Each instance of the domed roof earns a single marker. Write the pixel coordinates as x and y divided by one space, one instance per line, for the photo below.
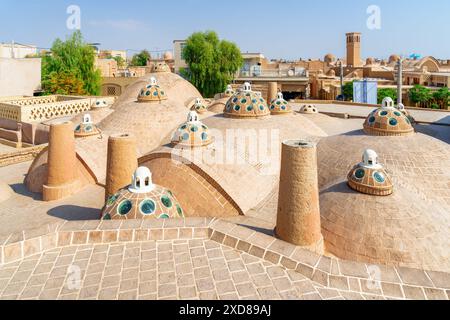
329 58
369 176
168 55
199 106
370 61
394 58
86 128
99 104
409 227
142 200
152 92
246 104
160 67
192 133
388 121
229 91
280 106
331 73
309 109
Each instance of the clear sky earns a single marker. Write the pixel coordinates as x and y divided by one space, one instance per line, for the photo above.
279 29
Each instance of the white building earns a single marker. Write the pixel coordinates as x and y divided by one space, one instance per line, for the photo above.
16 50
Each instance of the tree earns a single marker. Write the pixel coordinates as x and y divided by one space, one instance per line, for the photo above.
386 92
70 68
441 97
420 95
140 59
120 61
212 62
348 91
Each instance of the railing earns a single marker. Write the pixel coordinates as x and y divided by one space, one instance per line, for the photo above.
273 73
38 109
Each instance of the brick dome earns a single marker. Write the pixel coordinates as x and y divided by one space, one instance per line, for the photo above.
160 67
86 128
369 176
142 200
199 106
152 92
246 104
309 109
192 133
388 121
280 106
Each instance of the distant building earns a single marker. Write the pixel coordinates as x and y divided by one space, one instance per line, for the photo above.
20 77
107 67
108 54
17 50
179 62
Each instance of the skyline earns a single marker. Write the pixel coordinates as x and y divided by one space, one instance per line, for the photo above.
311 33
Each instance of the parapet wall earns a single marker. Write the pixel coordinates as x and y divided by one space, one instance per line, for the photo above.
376 281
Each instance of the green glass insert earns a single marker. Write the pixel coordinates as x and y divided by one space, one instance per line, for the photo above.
379 177
124 207
180 211
360 173
164 216
393 122
166 201
147 207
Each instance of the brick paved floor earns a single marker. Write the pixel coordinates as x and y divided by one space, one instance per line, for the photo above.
181 269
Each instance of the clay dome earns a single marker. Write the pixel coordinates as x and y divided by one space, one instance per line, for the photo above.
370 61
369 176
192 133
229 91
329 58
199 106
142 200
168 55
160 67
407 228
152 92
394 58
86 128
280 106
331 73
388 121
100 104
246 104
309 109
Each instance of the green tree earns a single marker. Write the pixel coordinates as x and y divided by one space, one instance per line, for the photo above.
386 92
120 61
420 95
212 62
441 97
348 91
74 59
140 59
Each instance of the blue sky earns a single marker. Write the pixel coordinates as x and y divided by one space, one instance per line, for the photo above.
280 29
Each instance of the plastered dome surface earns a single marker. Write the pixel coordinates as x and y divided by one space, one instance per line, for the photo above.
152 122
246 104
410 227
5 192
280 106
230 179
142 200
388 121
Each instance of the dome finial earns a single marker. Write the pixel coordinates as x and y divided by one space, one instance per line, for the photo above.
141 181
387 102
87 118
